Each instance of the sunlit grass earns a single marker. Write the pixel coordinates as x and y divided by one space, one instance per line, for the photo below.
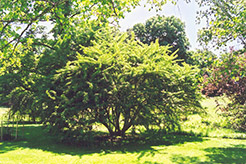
40 148
211 124
212 146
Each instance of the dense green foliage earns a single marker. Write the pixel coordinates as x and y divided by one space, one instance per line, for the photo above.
33 23
119 83
168 30
97 75
226 21
83 72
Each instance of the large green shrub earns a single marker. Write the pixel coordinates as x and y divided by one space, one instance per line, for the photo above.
120 82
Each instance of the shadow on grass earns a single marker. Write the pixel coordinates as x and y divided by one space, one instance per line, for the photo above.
36 138
234 154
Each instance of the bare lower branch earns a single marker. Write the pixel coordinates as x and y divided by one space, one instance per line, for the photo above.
31 21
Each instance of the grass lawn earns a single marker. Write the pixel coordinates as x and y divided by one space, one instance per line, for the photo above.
38 147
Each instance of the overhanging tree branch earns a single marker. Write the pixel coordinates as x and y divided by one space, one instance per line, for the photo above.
31 21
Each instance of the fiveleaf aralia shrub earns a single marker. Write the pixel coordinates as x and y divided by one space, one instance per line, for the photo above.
119 83
228 77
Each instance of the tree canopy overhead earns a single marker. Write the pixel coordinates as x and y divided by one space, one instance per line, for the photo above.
20 17
226 22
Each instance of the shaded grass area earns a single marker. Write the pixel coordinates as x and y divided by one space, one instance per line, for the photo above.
231 154
36 137
38 147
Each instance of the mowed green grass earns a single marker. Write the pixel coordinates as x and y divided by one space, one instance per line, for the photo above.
36 146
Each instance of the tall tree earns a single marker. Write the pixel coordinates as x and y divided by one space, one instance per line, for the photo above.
168 30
